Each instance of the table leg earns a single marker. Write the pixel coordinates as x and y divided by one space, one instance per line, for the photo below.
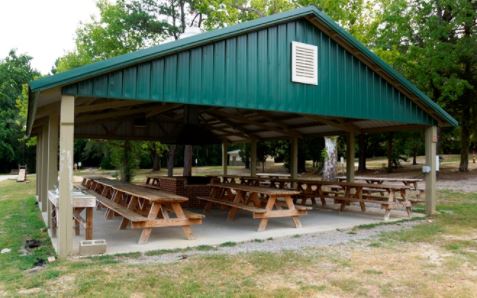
177 208
131 206
239 198
290 206
255 200
76 215
264 221
359 196
322 195
153 212
89 223
406 202
387 212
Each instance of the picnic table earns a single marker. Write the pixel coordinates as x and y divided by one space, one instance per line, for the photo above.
142 208
380 180
81 201
153 180
344 193
273 175
263 202
229 178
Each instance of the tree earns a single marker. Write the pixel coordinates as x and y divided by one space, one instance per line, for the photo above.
15 72
362 148
331 158
155 150
434 43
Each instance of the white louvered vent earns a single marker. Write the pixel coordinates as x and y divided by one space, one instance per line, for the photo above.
304 63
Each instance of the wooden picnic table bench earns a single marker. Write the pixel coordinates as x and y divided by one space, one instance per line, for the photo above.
142 208
273 175
343 193
380 180
80 201
263 202
153 180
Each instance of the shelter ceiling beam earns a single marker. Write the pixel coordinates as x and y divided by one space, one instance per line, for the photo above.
235 126
163 109
345 126
119 113
393 128
243 120
106 105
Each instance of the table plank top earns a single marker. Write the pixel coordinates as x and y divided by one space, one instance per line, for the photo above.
258 189
349 184
153 195
273 175
388 179
78 199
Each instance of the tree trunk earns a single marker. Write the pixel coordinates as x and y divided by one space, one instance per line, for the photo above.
156 162
126 171
329 169
464 142
170 160
414 157
390 151
363 146
187 161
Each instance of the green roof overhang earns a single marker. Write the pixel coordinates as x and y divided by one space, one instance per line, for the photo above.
119 62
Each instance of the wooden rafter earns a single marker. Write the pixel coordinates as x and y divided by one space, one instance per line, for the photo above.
235 126
106 105
243 120
162 109
114 114
336 123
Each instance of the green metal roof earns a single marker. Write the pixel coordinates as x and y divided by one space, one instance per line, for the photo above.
107 66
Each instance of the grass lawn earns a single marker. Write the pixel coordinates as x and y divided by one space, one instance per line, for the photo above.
437 258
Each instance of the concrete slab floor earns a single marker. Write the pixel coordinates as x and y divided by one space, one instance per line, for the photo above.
216 229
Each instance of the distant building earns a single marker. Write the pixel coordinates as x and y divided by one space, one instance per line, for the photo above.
234 158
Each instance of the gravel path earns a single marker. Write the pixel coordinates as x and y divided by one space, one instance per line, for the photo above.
282 244
7 177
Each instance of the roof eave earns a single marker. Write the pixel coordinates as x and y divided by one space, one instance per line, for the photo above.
126 60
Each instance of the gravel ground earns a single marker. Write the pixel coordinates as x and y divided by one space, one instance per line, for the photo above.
282 244
464 184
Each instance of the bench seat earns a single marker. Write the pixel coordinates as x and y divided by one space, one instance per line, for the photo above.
365 201
121 210
234 205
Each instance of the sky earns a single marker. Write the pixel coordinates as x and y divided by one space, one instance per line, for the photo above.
43 29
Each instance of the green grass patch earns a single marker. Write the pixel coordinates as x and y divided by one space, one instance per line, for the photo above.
228 244
456 215
205 248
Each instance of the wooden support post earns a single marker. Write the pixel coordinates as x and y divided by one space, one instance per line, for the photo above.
225 158
430 178
294 158
253 158
52 178
44 169
350 157
38 166
65 216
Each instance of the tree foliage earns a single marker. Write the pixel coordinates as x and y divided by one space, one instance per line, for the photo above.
15 71
434 43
